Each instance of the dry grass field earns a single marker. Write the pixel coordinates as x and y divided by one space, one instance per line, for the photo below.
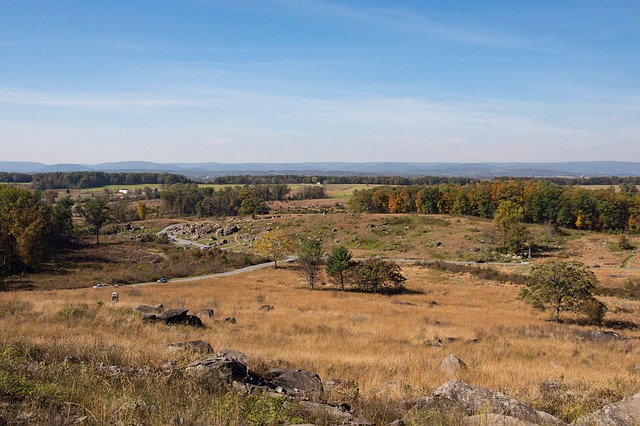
390 346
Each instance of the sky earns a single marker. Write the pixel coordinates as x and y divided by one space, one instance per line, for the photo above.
236 81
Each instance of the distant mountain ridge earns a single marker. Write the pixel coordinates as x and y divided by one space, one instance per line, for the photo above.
408 169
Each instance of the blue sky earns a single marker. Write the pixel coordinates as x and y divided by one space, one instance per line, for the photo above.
319 80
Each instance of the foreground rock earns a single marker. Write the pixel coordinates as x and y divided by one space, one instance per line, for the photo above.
474 400
492 419
301 383
621 413
221 369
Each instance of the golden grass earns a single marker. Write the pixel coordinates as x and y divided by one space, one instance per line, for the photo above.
381 345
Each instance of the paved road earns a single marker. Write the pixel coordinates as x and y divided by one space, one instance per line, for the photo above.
219 274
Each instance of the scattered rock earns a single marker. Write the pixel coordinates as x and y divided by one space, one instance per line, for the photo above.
175 316
222 369
230 320
296 382
232 354
326 414
71 359
265 308
199 346
621 413
400 302
146 309
476 400
601 335
432 303
206 313
451 364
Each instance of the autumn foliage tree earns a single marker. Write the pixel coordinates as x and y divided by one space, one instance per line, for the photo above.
27 228
274 244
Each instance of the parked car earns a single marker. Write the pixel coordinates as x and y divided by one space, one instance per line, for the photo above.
163 280
101 285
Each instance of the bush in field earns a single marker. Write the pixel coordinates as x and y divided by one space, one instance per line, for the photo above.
562 286
377 276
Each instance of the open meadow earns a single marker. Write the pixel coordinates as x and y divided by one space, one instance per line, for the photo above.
390 347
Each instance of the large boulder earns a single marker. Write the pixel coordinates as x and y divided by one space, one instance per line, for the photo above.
451 364
475 400
492 419
621 413
175 316
219 369
296 382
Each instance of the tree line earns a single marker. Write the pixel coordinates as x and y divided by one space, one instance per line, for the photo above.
188 199
85 180
29 228
541 201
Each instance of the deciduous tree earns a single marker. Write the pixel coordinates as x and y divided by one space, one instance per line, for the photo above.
310 260
560 285
96 213
274 244
377 275
513 233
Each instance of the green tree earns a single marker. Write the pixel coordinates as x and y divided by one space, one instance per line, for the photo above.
310 260
377 276
24 224
561 286
338 263
62 220
514 235
274 244
253 206
96 213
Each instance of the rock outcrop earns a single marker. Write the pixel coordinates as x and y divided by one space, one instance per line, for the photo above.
474 400
621 413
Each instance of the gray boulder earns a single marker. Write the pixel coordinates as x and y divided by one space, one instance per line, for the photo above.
175 316
475 400
224 370
621 413
492 419
451 364
206 313
232 354
194 345
296 382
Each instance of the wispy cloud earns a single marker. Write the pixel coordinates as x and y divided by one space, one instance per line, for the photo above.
91 101
408 20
